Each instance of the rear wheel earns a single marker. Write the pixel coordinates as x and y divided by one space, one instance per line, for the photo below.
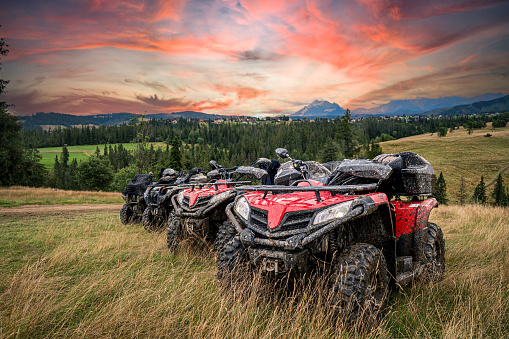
435 254
126 214
360 285
173 235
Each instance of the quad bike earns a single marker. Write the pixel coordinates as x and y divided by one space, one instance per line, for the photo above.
365 223
158 197
134 206
200 209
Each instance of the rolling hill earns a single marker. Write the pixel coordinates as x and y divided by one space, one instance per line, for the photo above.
460 155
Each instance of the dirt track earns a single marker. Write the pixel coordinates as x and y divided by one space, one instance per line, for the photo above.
29 210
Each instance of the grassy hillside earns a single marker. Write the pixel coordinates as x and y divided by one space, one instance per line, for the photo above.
80 152
87 275
460 155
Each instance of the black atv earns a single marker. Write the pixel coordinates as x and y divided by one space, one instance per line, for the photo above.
134 206
158 196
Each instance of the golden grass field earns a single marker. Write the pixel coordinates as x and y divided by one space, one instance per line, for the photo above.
84 274
460 155
17 196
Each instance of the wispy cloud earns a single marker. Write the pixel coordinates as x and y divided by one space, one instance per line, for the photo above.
247 56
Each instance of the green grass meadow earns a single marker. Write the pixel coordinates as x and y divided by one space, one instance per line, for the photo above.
81 152
87 275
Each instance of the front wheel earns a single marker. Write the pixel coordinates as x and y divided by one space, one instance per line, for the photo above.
173 235
126 214
151 222
435 254
360 284
225 234
230 259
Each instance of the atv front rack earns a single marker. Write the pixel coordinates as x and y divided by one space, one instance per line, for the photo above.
315 189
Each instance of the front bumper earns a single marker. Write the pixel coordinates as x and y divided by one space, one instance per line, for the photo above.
278 261
290 241
183 211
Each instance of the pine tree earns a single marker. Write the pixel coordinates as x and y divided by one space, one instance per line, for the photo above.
329 151
441 190
374 149
462 193
499 193
480 192
344 133
175 156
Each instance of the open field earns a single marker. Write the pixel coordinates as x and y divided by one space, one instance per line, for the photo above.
17 196
81 152
459 155
84 274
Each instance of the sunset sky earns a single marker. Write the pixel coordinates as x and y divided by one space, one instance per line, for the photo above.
248 57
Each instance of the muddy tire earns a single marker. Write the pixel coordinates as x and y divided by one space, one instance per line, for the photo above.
360 283
231 259
435 254
225 234
173 233
151 222
127 215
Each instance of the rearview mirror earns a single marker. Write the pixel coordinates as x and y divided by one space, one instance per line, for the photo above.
282 153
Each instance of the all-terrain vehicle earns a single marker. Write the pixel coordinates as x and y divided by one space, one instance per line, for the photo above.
200 209
158 196
134 206
365 223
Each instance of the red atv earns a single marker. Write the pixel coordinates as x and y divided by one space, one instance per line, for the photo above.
200 209
365 222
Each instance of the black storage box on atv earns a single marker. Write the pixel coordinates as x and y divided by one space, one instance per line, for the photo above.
412 174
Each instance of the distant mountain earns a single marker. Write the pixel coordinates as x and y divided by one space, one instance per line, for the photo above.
496 105
319 109
69 120
421 105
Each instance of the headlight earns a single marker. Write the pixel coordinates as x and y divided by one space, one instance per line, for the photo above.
331 213
242 208
219 197
180 198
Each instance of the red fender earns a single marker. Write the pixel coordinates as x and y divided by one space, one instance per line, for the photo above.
412 216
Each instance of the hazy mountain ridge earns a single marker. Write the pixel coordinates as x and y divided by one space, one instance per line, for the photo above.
495 105
421 105
69 120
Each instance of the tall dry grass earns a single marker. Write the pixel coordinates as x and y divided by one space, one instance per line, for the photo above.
89 276
19 195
